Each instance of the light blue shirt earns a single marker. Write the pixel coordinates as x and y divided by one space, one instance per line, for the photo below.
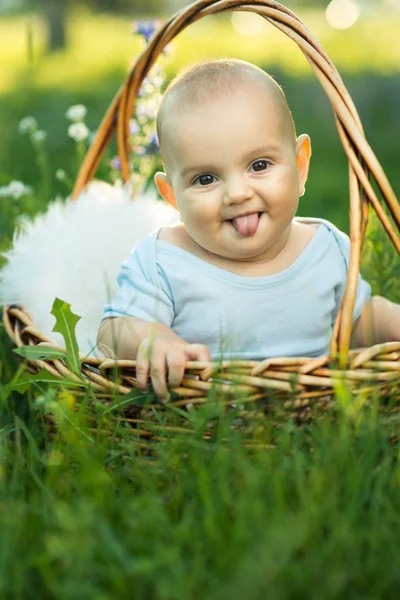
290 313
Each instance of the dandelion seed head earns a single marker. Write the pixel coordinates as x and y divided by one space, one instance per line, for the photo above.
27 125
76 113
78 131
39 135
18 189
15 189
61 174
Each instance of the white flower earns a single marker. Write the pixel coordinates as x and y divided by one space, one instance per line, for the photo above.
146 110
78 131
61 174
15 189
27 125
76 113
39 135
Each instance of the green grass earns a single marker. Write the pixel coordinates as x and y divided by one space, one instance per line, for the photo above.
317 516
84 517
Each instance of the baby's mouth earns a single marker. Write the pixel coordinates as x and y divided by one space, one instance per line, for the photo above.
246 225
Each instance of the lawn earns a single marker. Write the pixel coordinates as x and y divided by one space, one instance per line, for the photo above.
315 517
82 516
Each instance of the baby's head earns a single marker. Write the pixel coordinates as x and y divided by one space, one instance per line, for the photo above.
233 165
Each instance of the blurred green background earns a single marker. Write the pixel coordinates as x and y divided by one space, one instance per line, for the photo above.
55 54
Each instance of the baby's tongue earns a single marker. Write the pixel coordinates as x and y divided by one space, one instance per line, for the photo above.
246 225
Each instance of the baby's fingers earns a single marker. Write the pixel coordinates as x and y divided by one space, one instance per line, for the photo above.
158 374
176 366
150 361
198 352
142 368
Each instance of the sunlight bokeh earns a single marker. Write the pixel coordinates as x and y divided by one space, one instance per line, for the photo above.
342 14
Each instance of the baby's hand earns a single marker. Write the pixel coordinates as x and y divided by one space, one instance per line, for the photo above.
162 356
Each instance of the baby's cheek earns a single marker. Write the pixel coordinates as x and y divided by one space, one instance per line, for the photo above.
281 202
202 213
289 190
195 220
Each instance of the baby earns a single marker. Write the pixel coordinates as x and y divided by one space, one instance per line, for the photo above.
240 276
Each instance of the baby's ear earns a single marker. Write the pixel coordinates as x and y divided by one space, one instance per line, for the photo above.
303 156
165 189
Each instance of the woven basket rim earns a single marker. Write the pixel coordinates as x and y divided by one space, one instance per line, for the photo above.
310 379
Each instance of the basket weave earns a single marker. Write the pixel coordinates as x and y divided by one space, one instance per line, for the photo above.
292 386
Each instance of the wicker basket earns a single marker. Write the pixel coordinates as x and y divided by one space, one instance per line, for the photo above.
287 386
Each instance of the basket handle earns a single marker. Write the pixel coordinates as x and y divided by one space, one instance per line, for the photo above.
363 163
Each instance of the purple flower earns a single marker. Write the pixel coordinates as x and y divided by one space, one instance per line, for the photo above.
153 146
115 163
154 139
133 127
145 28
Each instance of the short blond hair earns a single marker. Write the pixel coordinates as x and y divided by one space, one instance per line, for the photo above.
212 79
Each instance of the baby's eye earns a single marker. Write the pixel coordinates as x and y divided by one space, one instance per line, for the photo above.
260 165
205 179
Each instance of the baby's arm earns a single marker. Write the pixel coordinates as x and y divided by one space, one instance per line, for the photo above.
379 322
159 352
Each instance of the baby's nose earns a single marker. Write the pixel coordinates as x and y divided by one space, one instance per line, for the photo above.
237 190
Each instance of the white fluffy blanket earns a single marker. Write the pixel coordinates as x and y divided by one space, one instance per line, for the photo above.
74 252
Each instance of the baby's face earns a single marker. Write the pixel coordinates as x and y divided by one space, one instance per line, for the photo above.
232 165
